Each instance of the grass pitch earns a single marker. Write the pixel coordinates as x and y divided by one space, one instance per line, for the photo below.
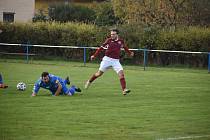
164 104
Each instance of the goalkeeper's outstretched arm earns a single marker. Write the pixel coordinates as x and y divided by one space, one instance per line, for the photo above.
35 89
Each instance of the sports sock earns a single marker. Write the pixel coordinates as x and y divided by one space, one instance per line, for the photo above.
123 83
1 80
92 78
72 90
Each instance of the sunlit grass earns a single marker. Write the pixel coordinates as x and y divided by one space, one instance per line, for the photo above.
164 103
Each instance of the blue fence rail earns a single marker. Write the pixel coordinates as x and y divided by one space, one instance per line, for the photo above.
145 51
209 62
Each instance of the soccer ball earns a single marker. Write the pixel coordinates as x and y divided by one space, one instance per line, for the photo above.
21 86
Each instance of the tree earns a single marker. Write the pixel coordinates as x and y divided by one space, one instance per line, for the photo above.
172 11
70 12
40 16
105 14
197 12
137 11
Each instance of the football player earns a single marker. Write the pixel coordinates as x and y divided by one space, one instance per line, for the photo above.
112 47
55 84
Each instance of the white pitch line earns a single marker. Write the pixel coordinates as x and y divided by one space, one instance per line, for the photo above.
186 137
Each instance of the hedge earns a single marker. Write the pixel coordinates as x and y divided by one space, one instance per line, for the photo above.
80 34
190 39
52 33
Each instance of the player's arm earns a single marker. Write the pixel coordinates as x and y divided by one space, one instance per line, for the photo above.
96 53
99 49
58 91
35 89
127 50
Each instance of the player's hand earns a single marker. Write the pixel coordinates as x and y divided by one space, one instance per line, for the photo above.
132 54
33 94
92 57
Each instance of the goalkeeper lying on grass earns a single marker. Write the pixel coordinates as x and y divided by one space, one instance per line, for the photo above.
55 84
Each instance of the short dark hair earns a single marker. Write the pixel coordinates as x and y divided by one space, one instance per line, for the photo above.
114 30
44 74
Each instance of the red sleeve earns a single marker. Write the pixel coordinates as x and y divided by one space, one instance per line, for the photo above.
126 49
101 48
97 51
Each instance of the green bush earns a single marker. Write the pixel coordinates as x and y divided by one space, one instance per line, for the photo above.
80 34
190 39
51 33
139 36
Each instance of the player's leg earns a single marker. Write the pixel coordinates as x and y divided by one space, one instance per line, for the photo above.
64 89
123 82
54 89
72 90
66 81
103 67
1 80
119 70
94 76
2 85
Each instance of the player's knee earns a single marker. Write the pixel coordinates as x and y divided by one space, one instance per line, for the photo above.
121 74
98 74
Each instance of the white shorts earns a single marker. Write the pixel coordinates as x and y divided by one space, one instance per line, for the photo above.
108 62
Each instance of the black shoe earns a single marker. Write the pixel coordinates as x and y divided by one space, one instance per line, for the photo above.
78 90
67 80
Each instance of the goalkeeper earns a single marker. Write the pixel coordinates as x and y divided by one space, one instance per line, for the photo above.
55 84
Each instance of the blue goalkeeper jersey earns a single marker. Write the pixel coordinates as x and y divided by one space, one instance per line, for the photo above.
52 85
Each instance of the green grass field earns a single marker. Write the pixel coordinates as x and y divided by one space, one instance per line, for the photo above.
165 104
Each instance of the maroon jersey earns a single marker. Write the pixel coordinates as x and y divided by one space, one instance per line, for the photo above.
113 48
